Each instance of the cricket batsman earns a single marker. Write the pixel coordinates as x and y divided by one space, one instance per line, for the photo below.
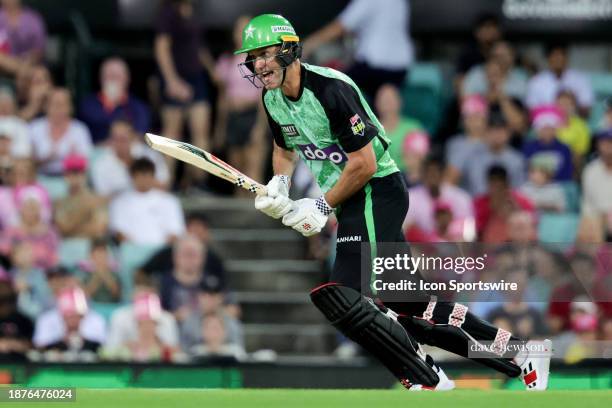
320 116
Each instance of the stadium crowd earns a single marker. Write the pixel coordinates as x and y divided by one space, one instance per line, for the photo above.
99 260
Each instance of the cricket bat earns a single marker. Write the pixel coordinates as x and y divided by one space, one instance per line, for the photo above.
202 159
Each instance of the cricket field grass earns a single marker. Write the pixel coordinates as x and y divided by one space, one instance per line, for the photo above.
293 398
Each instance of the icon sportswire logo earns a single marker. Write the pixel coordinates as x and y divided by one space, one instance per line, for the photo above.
332 153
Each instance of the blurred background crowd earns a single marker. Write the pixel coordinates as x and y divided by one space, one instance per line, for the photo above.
99 259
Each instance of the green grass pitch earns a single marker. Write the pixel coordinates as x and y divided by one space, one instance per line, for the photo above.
179 398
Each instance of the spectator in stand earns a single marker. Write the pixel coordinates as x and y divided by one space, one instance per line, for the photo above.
580 281
71 326
100 279
515 314
148 344
582 325
487 33
215 341
545 86
113 102
597 184
388 105
494 209
163 261
110 172
33 90
23 37
6 159
510 80
415 148
575 133
34 295
210 301
81 214
146 215
606 120
241 123
460 148
436 198
546 195
378 60
32 229
12 126
495 151
16 329
180 286
547 120
185 66
124 327
24 182
58 135
511 108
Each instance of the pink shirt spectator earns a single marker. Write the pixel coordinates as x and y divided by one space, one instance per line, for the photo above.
44 245
8 210
22 192
28 36
11 198
422 204
239 91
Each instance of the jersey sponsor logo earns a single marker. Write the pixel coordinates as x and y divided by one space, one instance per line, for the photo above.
289 130
282 29
332 153
357 125
349 238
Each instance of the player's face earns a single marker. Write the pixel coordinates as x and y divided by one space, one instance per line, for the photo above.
266 66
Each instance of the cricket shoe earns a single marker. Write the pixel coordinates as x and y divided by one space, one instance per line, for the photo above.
535 364
445 383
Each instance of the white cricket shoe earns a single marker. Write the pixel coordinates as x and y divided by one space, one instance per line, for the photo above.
536 364
445 383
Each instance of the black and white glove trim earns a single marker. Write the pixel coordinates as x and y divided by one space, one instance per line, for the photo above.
323 207
284 179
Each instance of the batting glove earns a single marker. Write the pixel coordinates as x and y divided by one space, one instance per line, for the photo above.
276 203
308 216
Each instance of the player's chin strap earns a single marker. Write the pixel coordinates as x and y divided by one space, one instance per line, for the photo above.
290 51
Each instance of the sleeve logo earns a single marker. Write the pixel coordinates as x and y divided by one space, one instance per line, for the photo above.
290 130
357 125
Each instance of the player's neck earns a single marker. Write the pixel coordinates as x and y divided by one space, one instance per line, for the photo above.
291 86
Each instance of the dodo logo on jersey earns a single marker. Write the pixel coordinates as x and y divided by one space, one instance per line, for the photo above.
332 153
357 125
289 130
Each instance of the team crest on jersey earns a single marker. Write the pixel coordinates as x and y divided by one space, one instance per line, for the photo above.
357 125
289 130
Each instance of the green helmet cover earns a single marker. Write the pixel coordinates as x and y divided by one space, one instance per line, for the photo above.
266 30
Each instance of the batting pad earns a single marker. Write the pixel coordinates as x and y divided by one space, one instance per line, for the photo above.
359 319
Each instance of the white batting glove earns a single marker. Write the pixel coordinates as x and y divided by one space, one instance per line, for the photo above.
308 216
276 203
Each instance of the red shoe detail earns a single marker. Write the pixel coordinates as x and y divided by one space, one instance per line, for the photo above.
531 377
407 384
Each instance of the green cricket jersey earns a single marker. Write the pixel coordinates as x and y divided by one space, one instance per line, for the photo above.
329 118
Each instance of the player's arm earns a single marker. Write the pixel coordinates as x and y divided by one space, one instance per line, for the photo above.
283 160
359 169
351 124
276 203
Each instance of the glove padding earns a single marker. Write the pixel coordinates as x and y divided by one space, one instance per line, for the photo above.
308 216
276 203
